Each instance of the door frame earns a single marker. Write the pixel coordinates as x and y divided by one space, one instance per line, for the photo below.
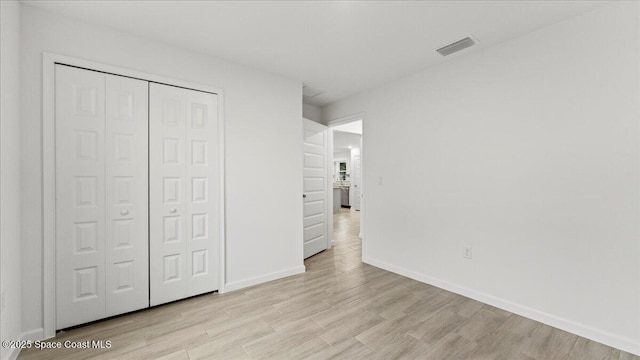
49 60
332 124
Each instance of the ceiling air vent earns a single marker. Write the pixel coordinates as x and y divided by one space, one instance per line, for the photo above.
456 46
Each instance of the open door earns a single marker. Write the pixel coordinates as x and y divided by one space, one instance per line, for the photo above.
314 188
355 178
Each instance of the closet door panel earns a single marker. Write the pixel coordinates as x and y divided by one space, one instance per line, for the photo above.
168 197
127 247
183 193
202 163
80 196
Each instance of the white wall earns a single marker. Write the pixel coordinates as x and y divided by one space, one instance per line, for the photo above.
529 152
312 112
10 322
263 146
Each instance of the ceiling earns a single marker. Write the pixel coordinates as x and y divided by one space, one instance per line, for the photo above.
338 48
342 140
351 127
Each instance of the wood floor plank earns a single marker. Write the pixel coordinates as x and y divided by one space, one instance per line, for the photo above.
298 338
452 346
350 326
229 340
628 356
349 295
520 325
550 343
584 349
341 311
483 323
176 355
387 332
350 349
501 345
406 348
437 326
292 312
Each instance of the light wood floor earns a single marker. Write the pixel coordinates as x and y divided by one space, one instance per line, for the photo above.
339 309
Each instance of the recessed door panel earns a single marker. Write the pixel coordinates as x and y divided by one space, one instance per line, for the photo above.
123 147
124 276
199 116
199 189
86 191
200 263
172 229
86 284
87 100
171 151
86 237
199 153
172 269
86 145
124 233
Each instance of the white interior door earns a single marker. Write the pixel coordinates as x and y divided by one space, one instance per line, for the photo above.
314 187
101 207
356 177
184 200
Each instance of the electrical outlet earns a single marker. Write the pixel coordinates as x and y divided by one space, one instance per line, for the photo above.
379 180
468 252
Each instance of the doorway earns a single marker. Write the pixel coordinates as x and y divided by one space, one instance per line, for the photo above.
333 184
345 177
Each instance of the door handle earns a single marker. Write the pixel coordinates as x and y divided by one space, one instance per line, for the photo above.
173 210
304 196
124 212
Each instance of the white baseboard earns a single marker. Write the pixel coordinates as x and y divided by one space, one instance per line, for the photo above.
619 342
13 354
236 285
33 335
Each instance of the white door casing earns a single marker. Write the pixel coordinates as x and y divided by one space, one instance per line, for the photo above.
101 209
315 213
184 201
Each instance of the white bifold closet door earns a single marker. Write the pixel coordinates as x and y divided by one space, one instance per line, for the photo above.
101 125
184 202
